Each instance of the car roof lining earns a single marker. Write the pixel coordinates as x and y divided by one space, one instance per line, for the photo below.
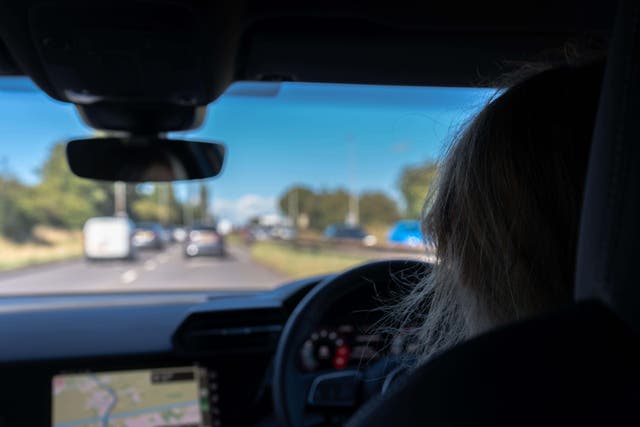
362 54
452 44
151 66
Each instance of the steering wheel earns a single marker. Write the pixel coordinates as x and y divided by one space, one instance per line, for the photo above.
295 391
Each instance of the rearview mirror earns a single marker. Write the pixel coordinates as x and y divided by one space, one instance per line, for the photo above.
144 159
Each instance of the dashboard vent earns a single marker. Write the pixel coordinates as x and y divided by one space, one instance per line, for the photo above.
230 331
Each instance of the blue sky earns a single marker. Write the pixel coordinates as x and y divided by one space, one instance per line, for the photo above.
323 136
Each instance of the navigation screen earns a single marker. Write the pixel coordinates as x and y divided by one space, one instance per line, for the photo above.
180 397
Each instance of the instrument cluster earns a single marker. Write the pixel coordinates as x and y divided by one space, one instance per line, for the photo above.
348 346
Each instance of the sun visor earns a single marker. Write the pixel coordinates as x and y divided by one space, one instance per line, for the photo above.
176 56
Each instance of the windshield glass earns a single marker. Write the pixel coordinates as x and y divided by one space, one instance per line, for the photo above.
317 179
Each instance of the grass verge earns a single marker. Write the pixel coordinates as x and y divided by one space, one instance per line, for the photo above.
48 245
296 263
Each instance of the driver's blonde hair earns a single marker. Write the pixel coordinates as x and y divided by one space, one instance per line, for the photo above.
505 209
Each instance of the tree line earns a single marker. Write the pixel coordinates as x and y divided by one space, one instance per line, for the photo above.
62 200
317 209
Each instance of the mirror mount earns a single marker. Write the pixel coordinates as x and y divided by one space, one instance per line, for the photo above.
144 158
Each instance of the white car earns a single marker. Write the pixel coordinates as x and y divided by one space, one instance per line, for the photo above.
108 238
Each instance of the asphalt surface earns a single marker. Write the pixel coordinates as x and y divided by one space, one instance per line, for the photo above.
152 271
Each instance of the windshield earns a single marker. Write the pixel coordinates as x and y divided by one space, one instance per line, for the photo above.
317 178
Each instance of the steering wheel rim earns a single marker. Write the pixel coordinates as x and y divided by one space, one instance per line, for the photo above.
290 384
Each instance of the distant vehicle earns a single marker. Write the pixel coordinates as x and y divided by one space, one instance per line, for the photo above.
204 240
177 233
284 232
349 233
224 227
406 233
258 233
166 236
149 235
108 238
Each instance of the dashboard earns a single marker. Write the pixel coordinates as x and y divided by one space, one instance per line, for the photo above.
156 350
167 359
226 340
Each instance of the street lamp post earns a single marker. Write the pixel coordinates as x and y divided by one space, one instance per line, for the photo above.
3 194
294 207
120 198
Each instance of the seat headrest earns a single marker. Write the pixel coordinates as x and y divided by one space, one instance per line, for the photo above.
609 245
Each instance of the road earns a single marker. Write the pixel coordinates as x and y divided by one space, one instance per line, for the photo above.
152 271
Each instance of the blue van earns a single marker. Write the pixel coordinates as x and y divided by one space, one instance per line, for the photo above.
406 233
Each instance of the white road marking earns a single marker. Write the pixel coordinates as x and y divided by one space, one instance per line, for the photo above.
128 276
150 265
162 259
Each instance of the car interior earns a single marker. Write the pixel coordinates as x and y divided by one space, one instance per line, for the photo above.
142 69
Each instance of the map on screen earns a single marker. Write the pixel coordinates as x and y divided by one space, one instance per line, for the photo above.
143 398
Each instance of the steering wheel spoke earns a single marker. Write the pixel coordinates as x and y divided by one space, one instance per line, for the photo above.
335 390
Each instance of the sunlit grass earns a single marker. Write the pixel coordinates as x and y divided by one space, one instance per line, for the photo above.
296 262
48 245
233 239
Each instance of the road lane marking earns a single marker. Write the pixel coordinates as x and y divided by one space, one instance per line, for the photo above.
128 276
150 265
162 259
